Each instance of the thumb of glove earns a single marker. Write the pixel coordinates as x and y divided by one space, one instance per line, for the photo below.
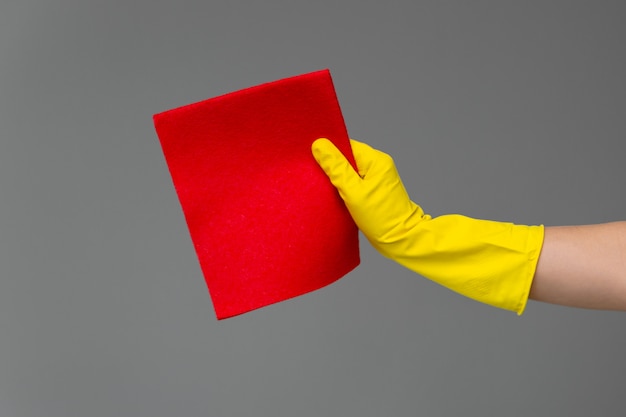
375 196
336 167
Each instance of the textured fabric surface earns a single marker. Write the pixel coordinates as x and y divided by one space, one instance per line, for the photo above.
266 223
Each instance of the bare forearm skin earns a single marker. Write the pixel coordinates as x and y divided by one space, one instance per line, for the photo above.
583 266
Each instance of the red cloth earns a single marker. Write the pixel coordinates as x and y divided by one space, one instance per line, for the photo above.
266 223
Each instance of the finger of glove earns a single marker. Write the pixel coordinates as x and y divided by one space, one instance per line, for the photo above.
336 167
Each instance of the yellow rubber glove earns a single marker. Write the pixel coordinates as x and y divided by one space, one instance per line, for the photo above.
491 262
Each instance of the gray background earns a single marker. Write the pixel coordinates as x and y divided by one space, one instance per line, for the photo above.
502 110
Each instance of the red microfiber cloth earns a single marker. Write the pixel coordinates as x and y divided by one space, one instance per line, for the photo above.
266 222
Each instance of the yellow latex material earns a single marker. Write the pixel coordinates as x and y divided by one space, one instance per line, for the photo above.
488 261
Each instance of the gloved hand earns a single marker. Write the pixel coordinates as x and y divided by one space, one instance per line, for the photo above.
491 262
